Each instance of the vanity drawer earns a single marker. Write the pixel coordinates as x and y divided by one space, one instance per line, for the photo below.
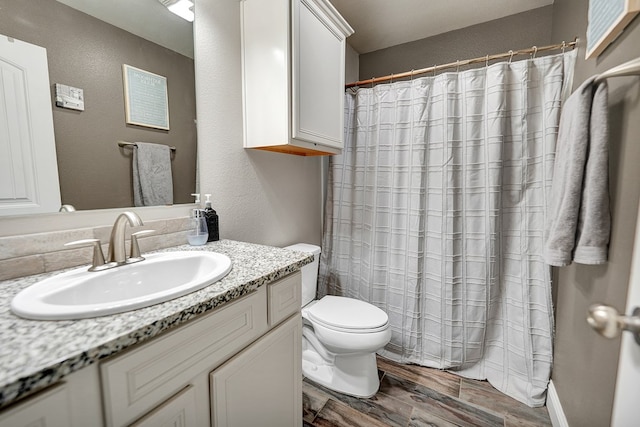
285 298
138 380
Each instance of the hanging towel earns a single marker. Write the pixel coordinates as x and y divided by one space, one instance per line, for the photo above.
579 221
152 180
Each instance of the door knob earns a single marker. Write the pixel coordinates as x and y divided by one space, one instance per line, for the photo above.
609 323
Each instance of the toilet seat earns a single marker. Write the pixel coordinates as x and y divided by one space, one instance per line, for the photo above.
348 315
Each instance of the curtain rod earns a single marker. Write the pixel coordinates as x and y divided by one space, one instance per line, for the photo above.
126 144
533 51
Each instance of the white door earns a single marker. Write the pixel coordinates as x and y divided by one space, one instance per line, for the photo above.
625 404
28 166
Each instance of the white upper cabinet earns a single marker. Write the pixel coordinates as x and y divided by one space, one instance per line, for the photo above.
293 60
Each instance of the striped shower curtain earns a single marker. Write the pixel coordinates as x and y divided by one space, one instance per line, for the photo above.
435 213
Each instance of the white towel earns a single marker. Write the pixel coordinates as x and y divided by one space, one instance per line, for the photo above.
579 221
152 179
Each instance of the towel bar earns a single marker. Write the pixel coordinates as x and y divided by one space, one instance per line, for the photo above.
133 144
630 68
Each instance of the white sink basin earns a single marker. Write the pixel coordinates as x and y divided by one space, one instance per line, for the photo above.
80 294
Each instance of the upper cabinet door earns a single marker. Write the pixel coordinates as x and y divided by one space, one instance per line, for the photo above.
293 60
318 74
28 166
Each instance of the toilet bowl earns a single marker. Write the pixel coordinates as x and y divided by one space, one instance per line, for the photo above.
340 336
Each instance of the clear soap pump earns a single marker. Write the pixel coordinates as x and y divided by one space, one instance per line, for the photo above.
198 232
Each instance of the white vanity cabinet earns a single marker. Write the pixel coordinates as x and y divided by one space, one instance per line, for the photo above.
261 386
240 362
293 62
178 379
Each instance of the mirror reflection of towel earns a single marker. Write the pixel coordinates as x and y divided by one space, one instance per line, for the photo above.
152 179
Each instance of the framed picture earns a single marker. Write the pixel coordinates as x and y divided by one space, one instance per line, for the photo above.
607 19
145 98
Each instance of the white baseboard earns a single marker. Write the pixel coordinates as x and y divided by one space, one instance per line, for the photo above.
558 419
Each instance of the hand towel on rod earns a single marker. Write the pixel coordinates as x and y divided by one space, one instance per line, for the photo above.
152 179
579 221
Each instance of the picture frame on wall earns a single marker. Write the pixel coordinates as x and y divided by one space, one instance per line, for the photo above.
146 98
607 19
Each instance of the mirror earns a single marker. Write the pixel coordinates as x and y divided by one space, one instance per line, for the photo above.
86 50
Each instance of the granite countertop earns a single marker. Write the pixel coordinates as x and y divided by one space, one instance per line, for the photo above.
35 354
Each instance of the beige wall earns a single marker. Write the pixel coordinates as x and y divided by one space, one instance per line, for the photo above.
261 197
585 364
523 30
87 53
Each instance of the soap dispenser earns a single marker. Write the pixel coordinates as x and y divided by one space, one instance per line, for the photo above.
212 220
197 234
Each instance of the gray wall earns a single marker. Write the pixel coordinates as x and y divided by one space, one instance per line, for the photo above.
260 196
520 31
87 53
351 65
585 364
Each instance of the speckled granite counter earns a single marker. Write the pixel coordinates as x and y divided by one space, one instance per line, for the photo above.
35 354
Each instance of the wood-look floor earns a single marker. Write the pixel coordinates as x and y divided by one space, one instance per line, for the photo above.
412 396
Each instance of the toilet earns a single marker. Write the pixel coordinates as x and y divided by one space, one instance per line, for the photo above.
340 336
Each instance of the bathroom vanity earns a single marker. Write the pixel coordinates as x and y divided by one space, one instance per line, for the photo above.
226 355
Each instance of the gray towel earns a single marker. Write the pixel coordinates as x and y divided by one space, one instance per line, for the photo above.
579 221
152 179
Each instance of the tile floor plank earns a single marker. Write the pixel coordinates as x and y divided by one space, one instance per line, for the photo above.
313 400
390 411
438 404
481 393
421 418
337 414
435 379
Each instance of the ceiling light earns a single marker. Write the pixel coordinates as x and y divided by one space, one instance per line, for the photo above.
182 8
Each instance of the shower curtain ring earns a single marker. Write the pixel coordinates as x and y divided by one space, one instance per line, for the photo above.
510 56
434 69
392 77
457 65
564 45
535 51
486 61
412 74
372 79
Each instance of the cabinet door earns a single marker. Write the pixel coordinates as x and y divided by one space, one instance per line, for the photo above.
48 408
135 382
262 385
178 411
318 74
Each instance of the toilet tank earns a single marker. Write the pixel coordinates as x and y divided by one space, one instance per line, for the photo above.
309 271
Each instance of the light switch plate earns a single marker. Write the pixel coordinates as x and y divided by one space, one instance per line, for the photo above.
69 97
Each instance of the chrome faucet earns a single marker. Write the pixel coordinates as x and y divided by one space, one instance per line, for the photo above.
67 208
117 250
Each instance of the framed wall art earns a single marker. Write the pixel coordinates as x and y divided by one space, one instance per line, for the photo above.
607 19
146 98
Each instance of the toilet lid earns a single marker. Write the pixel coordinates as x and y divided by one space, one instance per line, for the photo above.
347 313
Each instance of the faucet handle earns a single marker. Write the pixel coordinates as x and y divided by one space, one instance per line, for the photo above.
98 257
134 255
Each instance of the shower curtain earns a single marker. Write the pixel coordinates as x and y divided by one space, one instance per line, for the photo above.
435 213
